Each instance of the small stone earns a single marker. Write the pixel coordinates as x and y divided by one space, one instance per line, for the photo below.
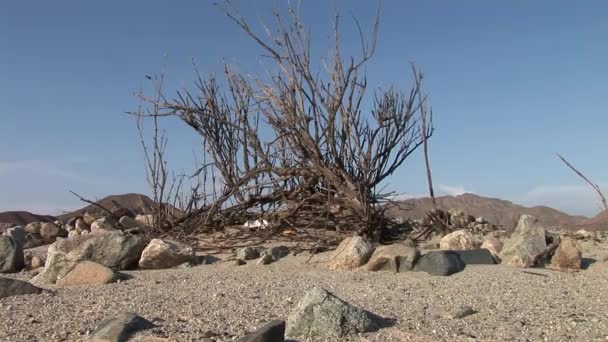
89 218
247 253
320 314
463 312
36 262
104 225
88 273
276 252
351 253
129 222
265 259
120 328
568 255
395 258
161 254
240 262
459 240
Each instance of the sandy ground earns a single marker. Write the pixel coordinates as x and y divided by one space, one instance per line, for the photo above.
221 302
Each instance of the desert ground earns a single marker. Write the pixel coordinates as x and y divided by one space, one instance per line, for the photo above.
224 301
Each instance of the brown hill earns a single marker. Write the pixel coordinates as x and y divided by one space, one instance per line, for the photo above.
598 222
140 204
23 217
496 211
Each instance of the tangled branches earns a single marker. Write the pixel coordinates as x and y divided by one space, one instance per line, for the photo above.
297 147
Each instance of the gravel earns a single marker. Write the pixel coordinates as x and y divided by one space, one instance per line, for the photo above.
222 302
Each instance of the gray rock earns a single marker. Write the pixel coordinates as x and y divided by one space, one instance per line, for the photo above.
265 259
247 253
23 238
527 242
271 332
276 252
14 287
440 263
395 258
120 328
50 232
11 255
161 254
115 250
320 314
476 257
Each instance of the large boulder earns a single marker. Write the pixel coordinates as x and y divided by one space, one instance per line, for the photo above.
11 255
320 314
50 232
161 254
88 273
114 249
458 240
24 238
13 287
352 252
440 263
398 257
568 255
526 243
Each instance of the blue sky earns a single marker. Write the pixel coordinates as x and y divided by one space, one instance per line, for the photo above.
511 84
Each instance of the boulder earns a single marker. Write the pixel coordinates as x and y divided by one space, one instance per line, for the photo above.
129 222
13 287
568 255
271 332
440 263
161 254
526 243
352 252
115 250
458 240
493 244
247 253
476 257
50 232
320 314
88 218
104 225
81 226
88 273
120 328
146 220
33 228
397 257
11 255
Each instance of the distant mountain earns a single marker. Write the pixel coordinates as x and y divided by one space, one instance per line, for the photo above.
496 211
598 222
140 204
23 217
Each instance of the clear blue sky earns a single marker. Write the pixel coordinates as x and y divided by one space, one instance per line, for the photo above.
511 83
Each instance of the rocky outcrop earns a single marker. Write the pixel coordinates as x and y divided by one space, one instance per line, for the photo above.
351 253
398 257
11 255
526 243
161 254
320 314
